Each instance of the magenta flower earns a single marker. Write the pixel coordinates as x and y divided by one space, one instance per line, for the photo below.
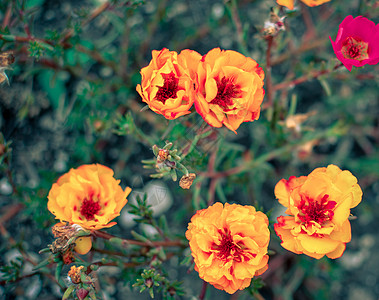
357 42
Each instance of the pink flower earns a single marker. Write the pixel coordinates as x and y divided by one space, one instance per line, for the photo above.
357 42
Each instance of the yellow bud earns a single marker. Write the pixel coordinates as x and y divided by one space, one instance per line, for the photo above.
83 245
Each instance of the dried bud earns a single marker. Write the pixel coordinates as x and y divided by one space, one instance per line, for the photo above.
65 236
294 122
74 274
64 230
187 180
304 151
273 25
68 257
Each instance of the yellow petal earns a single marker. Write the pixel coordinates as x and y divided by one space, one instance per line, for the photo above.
342 233
317 245
342 210
338 252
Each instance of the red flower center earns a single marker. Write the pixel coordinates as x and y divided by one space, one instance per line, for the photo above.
354 48
169 88
226 92
89 208
316 211
230 250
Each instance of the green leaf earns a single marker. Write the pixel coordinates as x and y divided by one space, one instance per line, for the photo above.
173 175
326 87
68 292
140 237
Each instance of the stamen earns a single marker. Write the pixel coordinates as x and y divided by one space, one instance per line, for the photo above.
169 88
316 211
226 92
354 48
229 250
89 208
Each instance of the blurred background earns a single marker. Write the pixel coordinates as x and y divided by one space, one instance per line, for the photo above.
71 100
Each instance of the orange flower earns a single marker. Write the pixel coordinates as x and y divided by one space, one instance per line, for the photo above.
229 245
167 84
230 89
290 3
319 206
88 196
75 274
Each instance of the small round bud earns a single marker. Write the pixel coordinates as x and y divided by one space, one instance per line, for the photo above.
83 245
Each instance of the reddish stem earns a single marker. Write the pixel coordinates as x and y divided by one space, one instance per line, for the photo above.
304 78
203 290
7 15
269 89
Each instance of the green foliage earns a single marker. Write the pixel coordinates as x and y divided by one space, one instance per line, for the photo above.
12 271
36 50
149 279
142 209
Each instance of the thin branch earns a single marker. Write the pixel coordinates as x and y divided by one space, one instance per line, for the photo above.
269 88
7 15
311 31
211 169
233 10
10 211
203 290
304 78
303 48
95 13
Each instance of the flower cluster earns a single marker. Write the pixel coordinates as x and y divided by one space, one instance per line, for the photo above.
88 196
318 206
225 86
229 245
357 42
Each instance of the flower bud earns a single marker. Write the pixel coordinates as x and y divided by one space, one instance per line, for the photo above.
83 245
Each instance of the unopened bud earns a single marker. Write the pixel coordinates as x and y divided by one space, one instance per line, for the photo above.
81 293
83 245
172 291
149 282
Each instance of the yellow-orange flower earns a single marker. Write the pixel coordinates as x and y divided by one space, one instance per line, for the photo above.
229 245
229 89
319 206
167 84
75 273
290 3
88 196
